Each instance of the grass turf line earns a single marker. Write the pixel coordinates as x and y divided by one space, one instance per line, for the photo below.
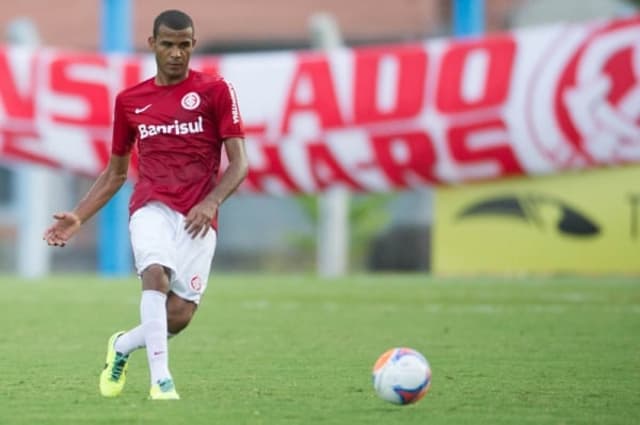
299 350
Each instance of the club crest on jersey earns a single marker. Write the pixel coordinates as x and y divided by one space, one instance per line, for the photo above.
190 101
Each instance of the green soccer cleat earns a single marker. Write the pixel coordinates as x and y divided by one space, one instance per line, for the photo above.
114 374
163 390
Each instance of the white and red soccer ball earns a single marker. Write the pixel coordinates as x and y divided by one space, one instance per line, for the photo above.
401 376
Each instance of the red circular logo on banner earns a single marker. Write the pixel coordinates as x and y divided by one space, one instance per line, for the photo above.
592 114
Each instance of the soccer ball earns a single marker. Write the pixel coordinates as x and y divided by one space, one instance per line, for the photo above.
401 376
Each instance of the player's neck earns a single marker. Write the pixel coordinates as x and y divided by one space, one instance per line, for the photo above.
164 80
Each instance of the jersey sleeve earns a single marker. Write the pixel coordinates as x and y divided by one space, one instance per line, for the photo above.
228 112
123 135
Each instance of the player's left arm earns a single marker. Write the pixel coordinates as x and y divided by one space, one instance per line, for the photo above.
198 221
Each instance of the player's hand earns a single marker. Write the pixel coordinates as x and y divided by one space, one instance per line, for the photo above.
198 221
66 225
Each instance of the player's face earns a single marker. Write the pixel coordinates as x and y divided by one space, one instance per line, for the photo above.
173 50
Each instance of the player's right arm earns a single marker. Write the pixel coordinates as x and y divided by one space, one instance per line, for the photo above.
106 185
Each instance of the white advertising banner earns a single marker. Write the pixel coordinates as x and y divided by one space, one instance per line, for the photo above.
380 118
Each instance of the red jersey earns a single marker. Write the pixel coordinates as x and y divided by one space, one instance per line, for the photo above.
179 130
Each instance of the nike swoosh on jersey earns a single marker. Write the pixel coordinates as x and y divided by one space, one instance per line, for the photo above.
141 110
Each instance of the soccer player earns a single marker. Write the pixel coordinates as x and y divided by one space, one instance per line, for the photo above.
180 120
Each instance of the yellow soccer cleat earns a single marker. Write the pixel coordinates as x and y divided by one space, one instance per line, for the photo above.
114 374
163 390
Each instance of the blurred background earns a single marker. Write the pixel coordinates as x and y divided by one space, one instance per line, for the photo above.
384 231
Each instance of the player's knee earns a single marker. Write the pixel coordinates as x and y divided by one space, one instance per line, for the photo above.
179 313
178 320
155 277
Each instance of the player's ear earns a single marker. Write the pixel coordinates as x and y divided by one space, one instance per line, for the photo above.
193 42
151 41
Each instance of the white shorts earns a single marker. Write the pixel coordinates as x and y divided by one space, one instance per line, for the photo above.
158 237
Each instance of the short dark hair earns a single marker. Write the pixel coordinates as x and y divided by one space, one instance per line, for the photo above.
174 19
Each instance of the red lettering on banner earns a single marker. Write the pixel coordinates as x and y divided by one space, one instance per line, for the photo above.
402 84
16 105
208 65
132 73
491 60
391 128
255 129
325 169
12 147
102 151
312 90
94 94
404 155
274 169
484 142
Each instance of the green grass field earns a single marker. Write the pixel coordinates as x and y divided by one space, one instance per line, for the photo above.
299 350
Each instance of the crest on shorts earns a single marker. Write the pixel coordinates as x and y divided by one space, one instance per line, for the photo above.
196 283
190 101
